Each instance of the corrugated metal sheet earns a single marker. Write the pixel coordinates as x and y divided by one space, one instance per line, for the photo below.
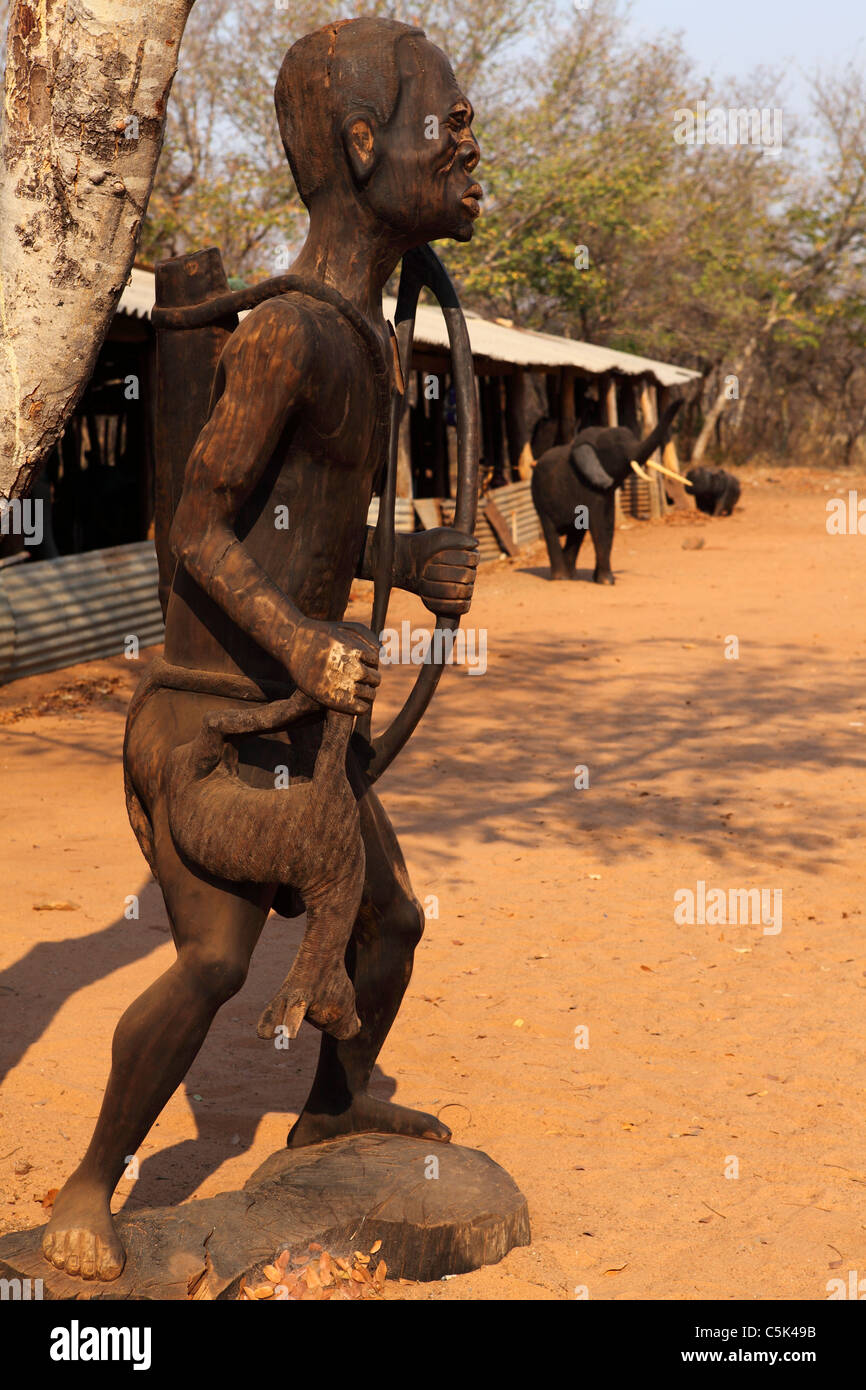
636 497
404 514
55 613
514 501
518 346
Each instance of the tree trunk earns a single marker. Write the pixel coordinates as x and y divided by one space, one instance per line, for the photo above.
86 93
721 400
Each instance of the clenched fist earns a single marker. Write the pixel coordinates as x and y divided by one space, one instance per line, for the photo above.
441 565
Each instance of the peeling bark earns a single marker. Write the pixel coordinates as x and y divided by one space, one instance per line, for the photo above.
83 120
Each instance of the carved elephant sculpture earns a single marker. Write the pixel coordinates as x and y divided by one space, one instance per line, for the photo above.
574 486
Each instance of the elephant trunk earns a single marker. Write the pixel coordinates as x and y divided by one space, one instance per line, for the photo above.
659 435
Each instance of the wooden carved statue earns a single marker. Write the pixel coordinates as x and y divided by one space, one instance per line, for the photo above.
261 673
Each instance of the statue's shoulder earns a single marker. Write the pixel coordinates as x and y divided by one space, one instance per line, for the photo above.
283 326
299 314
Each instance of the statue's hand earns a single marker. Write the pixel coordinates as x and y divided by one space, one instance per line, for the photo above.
442 569
335 663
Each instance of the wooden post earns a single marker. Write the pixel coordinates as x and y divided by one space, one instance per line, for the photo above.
567 419
649 420
441 481
610 410
519 452
404 450
552 384
497 437
683 497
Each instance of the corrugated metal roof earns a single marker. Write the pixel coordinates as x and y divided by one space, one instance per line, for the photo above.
525 348
518 346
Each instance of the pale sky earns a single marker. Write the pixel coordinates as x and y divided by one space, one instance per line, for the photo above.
732 37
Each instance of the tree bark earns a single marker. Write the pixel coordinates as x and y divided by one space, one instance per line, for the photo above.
86 91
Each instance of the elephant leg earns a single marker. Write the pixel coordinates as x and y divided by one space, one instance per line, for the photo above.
571 550
554 548
601 524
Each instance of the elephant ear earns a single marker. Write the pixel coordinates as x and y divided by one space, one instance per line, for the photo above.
589 467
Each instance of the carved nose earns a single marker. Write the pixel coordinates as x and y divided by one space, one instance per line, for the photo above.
469 154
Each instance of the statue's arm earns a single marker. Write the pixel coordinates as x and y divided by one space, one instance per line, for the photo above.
439 565
267 366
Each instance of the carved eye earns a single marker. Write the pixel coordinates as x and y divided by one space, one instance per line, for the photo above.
460 119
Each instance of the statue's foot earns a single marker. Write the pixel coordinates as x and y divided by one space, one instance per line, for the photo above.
80 1238
366 1114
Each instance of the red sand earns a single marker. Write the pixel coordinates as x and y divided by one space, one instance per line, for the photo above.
706 1043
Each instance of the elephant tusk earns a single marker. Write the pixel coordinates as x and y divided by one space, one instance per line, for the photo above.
639 471
669 473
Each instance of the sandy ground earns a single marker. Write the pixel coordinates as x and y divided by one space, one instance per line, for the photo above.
712 1049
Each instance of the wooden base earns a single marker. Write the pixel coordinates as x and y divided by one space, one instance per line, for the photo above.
437 1209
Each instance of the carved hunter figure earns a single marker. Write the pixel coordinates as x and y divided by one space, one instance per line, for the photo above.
260 671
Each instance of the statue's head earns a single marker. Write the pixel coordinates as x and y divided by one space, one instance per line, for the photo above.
369 110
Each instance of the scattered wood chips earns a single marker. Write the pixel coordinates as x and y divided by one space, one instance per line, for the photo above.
317 1275
64 699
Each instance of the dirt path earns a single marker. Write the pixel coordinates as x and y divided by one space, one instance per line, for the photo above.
712 1048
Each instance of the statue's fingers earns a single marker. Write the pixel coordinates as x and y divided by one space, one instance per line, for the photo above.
447 608
465 559
450 574
462 539
433 589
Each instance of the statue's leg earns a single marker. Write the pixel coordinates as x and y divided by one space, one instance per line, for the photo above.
379 960
215 928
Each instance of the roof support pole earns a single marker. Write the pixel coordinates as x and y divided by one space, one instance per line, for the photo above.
649 420
567 417
682 496
519 452
611 414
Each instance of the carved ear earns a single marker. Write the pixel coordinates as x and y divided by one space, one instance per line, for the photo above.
588 465
359 144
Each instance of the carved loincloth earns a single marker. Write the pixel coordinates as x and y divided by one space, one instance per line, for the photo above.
306 834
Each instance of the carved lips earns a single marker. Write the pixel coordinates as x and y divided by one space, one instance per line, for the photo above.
470 199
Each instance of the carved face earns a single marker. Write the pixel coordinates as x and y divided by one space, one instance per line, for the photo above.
416 171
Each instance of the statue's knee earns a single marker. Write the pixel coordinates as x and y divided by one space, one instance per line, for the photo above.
218 976
406 920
